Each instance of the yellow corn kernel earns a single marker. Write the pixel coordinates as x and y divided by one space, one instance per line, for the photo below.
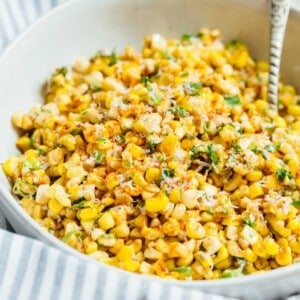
294 110
121 231
278 226
233 183
262 66
259 249
136 151
54 206
130 265
249 255
228 134
87 214
138 179
271 182
280 122
171 227
23 143
294 225
151 233
153 175
217 274
112 180
194 229
178 250
224 264
89 245
295 246
222 255
125 253
254 175
284 256
156 204
11 166
68 141
175 196
106 221
261 105
255 190
169 144
271 247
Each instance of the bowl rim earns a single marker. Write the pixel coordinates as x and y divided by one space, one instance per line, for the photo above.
14 207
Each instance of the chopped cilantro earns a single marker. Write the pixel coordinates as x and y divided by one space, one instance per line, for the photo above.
296 203
63 71
151 145
192 88
184 74
154 98
145 80
186 36
77 233
184 270
112 58
258 151
231 273
80 203
127 164
281 174
101 139
212 154
167 173
95 88
98 155
237 148
194 152
182 111
248 222
120 138
233 44
233 100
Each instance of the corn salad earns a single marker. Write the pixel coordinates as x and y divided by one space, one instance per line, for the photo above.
167 161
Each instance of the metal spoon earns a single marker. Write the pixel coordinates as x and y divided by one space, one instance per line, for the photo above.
279 12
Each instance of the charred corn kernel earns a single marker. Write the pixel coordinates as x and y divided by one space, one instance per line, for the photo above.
194 229
121 231
284 256
11 166
151 233
156 204
178 250
136 151
271 247
87 214
153 175
233 183
254 175
169 144
152 254
55 206
255 190
106 221
112 181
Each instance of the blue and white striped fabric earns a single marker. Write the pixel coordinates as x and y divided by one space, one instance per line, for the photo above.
32 270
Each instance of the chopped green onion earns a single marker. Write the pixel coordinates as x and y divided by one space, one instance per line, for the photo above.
184 270
281 174
77 233
249 222
212 154
233 100
167 173
192 88
98 155
182 111
186 36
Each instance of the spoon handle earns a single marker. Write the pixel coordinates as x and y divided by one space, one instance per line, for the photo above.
279 11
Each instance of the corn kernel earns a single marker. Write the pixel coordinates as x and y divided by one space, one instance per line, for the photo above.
156 204
54 206
87 214
254 175
106 221
153 175
255 190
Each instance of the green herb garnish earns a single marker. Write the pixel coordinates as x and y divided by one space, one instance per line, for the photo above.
154 98
186 36
98 155
80 203
151 145
192 88
233 100
249 222
184 270
77 233
212 154
281 174
296 203
182 111
167 173
95 88
112 58
145 80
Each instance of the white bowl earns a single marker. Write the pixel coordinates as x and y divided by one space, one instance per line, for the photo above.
79 29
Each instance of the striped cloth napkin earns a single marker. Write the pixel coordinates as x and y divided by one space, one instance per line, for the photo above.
30 269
